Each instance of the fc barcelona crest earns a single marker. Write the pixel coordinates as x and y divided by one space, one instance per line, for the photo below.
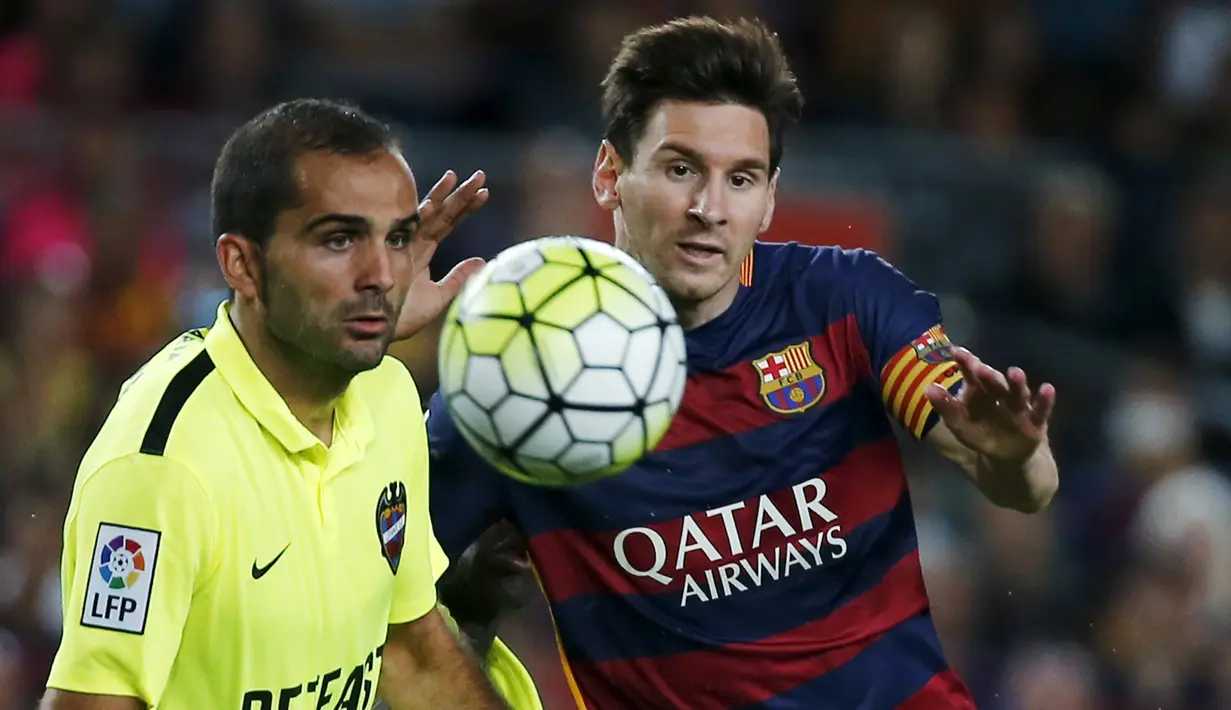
391 523
933 347
791 381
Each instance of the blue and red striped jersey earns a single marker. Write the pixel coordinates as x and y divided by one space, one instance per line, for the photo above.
764 555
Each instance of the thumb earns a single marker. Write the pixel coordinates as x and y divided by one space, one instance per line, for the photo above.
945 404
457 277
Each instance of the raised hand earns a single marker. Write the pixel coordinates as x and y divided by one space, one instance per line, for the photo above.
446 206
995 415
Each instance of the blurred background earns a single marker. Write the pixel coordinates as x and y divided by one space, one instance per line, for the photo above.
1055 169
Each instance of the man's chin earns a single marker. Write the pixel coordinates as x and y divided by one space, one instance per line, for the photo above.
691 288
361 357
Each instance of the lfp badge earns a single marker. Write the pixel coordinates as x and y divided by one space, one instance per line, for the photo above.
118 591
791 381
391 523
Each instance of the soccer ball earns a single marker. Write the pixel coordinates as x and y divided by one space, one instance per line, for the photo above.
562 361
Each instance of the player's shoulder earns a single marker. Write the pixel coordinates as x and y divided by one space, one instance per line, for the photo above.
777 259
113 481
177 382
809 267
172 382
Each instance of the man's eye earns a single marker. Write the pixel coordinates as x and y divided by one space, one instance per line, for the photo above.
681 170
338 240
399 239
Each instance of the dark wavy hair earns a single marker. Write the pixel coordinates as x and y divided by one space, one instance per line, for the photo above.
699 59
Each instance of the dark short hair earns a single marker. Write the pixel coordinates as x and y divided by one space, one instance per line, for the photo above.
699 59
254 177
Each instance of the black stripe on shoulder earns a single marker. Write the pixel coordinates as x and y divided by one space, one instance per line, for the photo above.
177 393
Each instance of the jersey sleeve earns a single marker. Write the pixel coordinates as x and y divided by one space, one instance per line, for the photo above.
468 495
140 537
414 589
903 332
436 555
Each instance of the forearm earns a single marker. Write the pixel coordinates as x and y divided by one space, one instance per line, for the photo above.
480 591
479 636
458 684
476 622
1026 487
435 672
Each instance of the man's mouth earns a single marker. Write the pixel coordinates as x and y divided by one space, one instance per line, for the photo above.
700 252
368 325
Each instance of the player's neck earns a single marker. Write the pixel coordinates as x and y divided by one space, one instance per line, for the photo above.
310 391
694 314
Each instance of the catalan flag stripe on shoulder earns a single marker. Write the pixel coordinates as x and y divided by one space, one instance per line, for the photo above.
906 377
745 270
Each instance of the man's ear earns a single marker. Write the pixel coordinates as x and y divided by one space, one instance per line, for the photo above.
240 260
770 203
607 168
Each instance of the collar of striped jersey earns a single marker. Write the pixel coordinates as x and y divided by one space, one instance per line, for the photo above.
353 425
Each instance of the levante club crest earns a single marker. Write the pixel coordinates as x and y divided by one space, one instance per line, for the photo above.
791 381
391 523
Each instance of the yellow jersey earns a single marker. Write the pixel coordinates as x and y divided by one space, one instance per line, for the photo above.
218 555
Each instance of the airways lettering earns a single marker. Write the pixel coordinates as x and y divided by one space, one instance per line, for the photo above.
783 538
326 691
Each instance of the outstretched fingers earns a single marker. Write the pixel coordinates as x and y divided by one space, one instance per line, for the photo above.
449 204
1043 405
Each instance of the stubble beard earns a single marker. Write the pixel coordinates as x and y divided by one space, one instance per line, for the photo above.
312 345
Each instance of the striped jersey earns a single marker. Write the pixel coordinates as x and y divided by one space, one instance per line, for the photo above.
764 555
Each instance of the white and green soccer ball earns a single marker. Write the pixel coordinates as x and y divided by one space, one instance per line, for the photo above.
562 361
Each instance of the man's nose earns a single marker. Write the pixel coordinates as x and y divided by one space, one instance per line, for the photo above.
376 270
709 204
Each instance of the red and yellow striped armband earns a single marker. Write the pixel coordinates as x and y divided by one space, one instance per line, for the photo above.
906 377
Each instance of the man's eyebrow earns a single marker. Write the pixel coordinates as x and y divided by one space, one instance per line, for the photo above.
749 164
409 223
682 150
343 220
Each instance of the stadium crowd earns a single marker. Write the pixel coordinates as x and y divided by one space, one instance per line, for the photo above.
1056 171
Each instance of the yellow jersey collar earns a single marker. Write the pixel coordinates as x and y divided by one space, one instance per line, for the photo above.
352 423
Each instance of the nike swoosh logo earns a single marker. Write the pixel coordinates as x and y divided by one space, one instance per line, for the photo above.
258 572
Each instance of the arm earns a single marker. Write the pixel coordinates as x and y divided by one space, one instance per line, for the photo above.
121 638
425 667
490 580
990 425
505 670
1026 487
995 429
